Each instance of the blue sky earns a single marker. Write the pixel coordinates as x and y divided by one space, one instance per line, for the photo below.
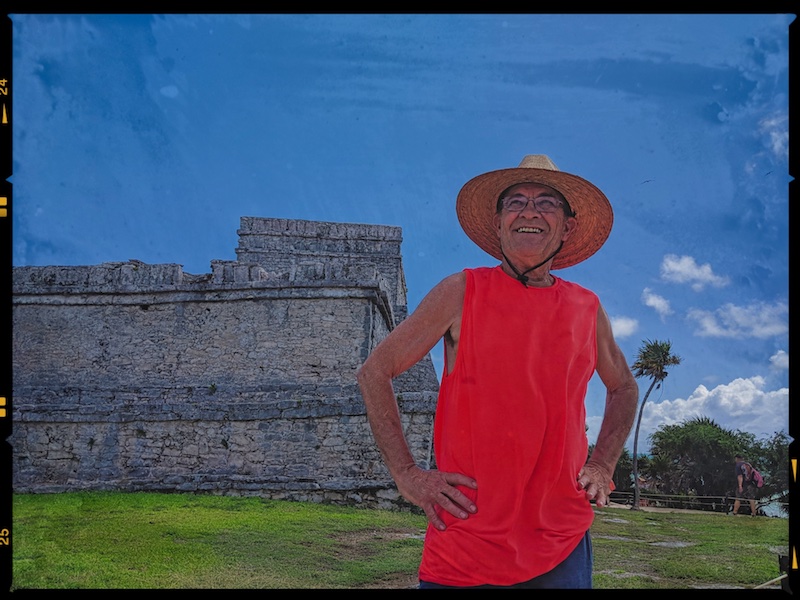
149 137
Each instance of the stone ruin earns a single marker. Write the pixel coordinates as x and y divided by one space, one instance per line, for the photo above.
141 377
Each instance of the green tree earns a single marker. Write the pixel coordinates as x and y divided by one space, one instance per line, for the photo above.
771 457
658 468
622 472
652 361
697 456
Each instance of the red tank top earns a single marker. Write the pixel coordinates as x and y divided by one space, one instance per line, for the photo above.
511 414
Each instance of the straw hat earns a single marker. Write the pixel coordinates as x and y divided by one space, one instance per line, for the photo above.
477 201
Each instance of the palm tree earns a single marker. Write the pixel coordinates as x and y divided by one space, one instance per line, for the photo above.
652 361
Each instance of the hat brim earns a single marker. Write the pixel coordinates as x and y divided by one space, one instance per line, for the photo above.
477 201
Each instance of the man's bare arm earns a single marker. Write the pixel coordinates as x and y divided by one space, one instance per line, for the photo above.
622 398
405 346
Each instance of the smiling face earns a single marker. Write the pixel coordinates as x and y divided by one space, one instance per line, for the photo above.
529 235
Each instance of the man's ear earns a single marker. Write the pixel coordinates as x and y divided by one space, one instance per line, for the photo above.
496 220
570 225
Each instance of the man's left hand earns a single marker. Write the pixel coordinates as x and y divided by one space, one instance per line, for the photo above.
597 482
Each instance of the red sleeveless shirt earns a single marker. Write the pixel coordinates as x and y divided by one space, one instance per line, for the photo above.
511 415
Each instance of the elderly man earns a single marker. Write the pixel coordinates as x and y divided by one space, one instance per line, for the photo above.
509 504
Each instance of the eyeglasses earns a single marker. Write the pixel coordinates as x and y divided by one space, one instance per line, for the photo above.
544 204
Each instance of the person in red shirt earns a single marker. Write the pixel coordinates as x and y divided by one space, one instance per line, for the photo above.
509 502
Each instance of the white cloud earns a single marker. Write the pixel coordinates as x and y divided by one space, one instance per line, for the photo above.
624 326
654 301
776 129
759 320
780 360
683 269
593 424
742 405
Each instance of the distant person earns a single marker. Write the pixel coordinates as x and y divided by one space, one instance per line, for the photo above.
510 503
745 486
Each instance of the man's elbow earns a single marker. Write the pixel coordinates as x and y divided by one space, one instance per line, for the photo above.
632 393
362 374
626 394
632 401
370 370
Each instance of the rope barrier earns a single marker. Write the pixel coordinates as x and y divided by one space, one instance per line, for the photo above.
709 501
685 497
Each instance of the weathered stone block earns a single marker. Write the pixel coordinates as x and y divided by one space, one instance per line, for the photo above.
134 377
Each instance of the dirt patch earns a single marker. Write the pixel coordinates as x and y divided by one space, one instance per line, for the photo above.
671 544
397 582
660 509
362 544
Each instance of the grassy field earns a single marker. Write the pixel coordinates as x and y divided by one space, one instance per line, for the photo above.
104 540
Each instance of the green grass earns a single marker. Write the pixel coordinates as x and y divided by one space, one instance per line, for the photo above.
641 549
105 540
112 540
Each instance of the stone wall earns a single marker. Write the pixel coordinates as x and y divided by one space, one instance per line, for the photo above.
132 376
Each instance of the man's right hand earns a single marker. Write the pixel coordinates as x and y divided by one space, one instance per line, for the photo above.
430 489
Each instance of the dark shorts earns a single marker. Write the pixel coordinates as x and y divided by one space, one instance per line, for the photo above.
748 492
574 572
